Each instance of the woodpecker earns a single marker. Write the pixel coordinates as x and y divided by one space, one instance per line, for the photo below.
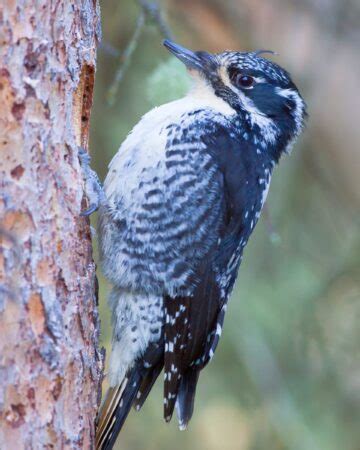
180 201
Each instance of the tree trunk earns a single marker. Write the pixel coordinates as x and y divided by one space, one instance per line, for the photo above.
50 365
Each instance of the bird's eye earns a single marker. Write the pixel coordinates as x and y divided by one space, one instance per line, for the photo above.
244 81
241 80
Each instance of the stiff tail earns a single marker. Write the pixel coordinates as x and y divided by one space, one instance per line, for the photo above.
186 396
115 409
146 385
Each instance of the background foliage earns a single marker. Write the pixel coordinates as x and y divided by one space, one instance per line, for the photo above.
287 371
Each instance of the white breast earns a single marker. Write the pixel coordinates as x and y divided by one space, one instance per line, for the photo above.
145 145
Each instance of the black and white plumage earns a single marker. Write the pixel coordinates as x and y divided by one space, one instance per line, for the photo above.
182 196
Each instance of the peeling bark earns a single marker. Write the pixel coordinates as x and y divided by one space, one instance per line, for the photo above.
50 365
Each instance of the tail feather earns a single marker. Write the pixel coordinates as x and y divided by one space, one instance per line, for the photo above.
176 337
115 409
146 386
186 396
108 407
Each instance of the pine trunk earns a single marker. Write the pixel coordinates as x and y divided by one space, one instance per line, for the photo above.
50 365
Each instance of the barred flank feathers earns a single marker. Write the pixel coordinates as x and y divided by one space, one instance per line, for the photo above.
115 409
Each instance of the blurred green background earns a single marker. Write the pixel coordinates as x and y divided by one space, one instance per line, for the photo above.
286 374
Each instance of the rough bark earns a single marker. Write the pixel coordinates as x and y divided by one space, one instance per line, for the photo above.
50 366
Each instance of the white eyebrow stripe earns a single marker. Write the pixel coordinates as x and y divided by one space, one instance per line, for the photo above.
287 93
259 79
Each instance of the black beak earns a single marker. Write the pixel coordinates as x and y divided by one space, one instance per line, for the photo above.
200 61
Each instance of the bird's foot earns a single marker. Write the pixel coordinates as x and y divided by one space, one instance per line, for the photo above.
93 188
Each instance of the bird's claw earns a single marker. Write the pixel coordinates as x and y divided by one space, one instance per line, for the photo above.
84 157
93 187
89 211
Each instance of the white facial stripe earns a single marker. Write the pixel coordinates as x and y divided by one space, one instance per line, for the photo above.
294 96
267 125
259 79
256 117
298 112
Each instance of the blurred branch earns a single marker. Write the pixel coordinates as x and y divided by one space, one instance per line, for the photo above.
150 13
153 11
126 58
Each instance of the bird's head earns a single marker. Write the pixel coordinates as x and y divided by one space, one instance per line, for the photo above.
267 102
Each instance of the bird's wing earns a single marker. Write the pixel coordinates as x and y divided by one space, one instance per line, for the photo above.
193 322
